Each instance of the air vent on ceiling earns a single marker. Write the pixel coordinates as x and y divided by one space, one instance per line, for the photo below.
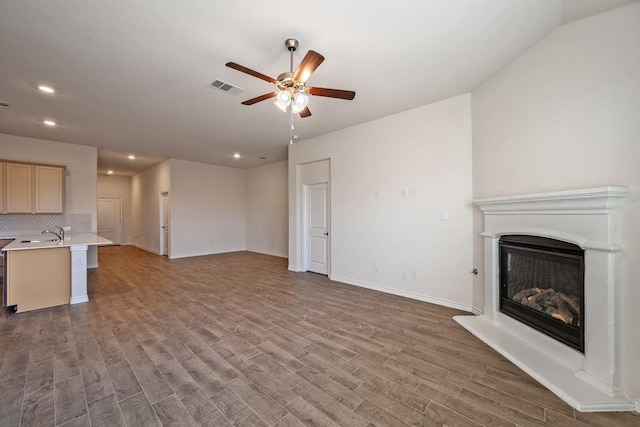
226 87
4 104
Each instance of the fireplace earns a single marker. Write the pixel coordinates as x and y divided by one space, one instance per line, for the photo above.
542 285
539 246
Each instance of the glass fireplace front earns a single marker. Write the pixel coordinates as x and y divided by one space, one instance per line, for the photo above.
542 285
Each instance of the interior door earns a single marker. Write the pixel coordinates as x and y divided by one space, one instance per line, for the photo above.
318 228
110 219
165 224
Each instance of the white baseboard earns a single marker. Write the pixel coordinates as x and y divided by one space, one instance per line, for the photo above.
477 311
279 255
402 293
144 248
77 300
203 253
637 405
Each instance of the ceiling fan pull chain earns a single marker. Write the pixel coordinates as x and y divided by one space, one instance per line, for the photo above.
291 130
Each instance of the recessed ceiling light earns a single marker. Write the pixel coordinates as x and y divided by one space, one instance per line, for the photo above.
49 122
237 156
47 89
109 172
131 156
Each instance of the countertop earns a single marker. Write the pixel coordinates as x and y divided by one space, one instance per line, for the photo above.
80 239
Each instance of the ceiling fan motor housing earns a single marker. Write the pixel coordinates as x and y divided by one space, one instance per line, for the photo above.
285 82
291 44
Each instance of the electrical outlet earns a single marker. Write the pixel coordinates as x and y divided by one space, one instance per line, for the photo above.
376 268
403 274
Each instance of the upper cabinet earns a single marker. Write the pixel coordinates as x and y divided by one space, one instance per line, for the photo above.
48 189
19 185
30 188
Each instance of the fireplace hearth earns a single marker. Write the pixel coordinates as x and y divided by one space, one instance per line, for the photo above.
542 285
551 259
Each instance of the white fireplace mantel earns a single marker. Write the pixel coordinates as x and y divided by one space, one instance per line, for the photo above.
587 218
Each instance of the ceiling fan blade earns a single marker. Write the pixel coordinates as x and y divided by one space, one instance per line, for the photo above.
250 72
311 61
332 93
260 98
305 113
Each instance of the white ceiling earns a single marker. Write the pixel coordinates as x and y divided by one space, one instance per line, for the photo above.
133 76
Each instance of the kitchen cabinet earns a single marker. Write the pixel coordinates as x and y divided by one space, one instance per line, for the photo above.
19 187
32 188
48 189
38 278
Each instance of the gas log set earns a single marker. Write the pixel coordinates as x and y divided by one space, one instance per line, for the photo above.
555 304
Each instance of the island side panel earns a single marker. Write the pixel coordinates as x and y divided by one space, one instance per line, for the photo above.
78 274
38 278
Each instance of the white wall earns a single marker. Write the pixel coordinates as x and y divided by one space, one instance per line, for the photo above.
80 176
565 115
146 188
116 186
425 153
207 209
267 209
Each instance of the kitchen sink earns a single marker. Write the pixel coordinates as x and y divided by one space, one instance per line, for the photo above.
39 241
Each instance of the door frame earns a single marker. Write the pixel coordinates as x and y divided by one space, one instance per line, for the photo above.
119 226
306 225
161 201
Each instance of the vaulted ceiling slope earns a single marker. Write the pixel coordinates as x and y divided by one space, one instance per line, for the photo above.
134 76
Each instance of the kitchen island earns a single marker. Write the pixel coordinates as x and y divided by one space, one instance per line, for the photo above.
42 272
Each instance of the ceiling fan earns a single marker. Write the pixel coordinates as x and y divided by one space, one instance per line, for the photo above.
292 88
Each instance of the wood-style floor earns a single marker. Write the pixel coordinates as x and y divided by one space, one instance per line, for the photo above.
236 339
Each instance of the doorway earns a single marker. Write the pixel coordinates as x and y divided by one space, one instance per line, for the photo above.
110 219
164 224
317 228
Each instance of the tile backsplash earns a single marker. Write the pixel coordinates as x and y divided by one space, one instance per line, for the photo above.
20 225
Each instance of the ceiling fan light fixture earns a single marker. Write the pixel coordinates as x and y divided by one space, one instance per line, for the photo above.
280 106
283 99
299 102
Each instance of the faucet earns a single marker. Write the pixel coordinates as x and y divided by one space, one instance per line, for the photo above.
59 235
61 232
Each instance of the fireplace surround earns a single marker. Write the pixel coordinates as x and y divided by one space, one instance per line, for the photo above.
585 219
